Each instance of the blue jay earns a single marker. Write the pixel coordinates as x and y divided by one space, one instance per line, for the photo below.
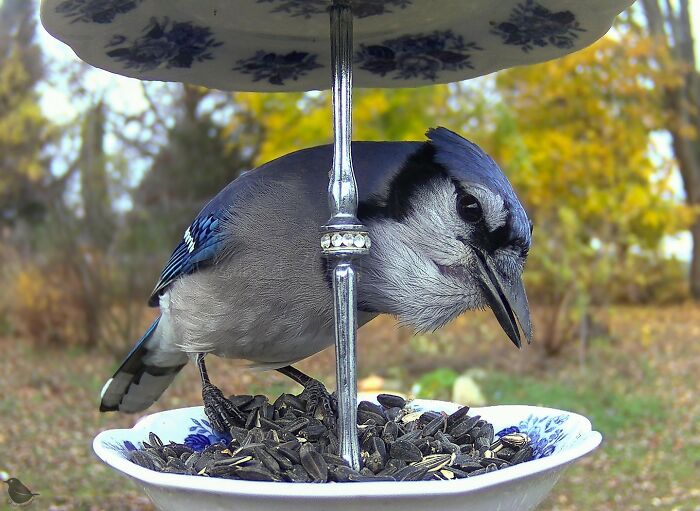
248 280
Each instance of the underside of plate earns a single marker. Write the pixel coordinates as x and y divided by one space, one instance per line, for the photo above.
283 45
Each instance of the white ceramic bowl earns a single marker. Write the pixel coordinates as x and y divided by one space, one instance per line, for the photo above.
560 438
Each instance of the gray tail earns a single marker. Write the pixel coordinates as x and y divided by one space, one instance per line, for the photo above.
139 381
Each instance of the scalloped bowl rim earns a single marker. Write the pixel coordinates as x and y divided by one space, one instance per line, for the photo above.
588 440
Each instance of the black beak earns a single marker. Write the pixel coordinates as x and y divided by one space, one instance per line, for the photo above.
507 301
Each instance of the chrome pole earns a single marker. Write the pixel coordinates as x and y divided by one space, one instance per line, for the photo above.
343 237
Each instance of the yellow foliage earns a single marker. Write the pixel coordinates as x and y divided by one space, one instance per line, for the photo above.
45 309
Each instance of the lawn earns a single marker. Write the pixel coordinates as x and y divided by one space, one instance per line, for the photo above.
638 386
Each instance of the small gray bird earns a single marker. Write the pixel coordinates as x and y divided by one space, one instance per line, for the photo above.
19 494
248 280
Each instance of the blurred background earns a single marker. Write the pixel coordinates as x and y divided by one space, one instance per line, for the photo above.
100 174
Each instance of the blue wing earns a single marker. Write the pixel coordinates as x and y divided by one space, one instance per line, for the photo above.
199 246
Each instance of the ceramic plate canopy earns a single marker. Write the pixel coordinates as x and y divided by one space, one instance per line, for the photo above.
283 45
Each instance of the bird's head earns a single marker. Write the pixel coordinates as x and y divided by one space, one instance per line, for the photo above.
449 235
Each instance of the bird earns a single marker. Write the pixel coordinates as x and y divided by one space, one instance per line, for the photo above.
18 492
248 280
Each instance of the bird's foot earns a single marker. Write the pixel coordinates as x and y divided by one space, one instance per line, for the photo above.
320 402
221 412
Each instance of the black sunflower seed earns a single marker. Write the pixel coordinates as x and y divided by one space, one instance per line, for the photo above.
268 461
390 432
405 451
391 401
524 454
359 478
297 475
141 459
506 453
315 430
313 463
464 426
369 417
297 425
341 473
393 414
155 440
433 426
457 416
410 473
486 431
283 461
411 436
255 474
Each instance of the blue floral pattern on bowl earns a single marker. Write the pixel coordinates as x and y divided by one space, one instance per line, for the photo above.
202 435
546 433
164 43
417 56
531 24
276 68
360 8
95 11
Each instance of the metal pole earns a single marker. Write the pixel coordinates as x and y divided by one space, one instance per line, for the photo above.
344 237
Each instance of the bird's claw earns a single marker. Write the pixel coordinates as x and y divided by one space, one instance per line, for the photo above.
222 414
320 402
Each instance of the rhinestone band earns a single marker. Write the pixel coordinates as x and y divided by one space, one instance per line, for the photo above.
343 241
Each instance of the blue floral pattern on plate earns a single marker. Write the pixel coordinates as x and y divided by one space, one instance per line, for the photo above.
200 436
531 24
360 8
203 435
164 43
546 433
95 11
276 68
417 56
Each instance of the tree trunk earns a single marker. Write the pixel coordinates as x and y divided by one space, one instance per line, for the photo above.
670 25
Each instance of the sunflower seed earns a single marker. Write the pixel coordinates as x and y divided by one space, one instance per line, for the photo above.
369 417
313 463
297 425
515 439
341 474
390 432
435 462
461 429
155 440
524 454
393 414
267 460
391 401
410 473
406 451
255 474
457 416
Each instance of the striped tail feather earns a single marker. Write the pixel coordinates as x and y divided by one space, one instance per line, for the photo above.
139 382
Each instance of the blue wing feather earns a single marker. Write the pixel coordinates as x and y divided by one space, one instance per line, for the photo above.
197 249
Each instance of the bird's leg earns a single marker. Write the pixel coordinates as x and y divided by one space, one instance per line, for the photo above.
221 412
318 399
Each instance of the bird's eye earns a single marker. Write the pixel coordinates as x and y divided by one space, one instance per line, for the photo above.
469 208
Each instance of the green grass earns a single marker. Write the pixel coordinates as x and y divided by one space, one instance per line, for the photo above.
610 405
